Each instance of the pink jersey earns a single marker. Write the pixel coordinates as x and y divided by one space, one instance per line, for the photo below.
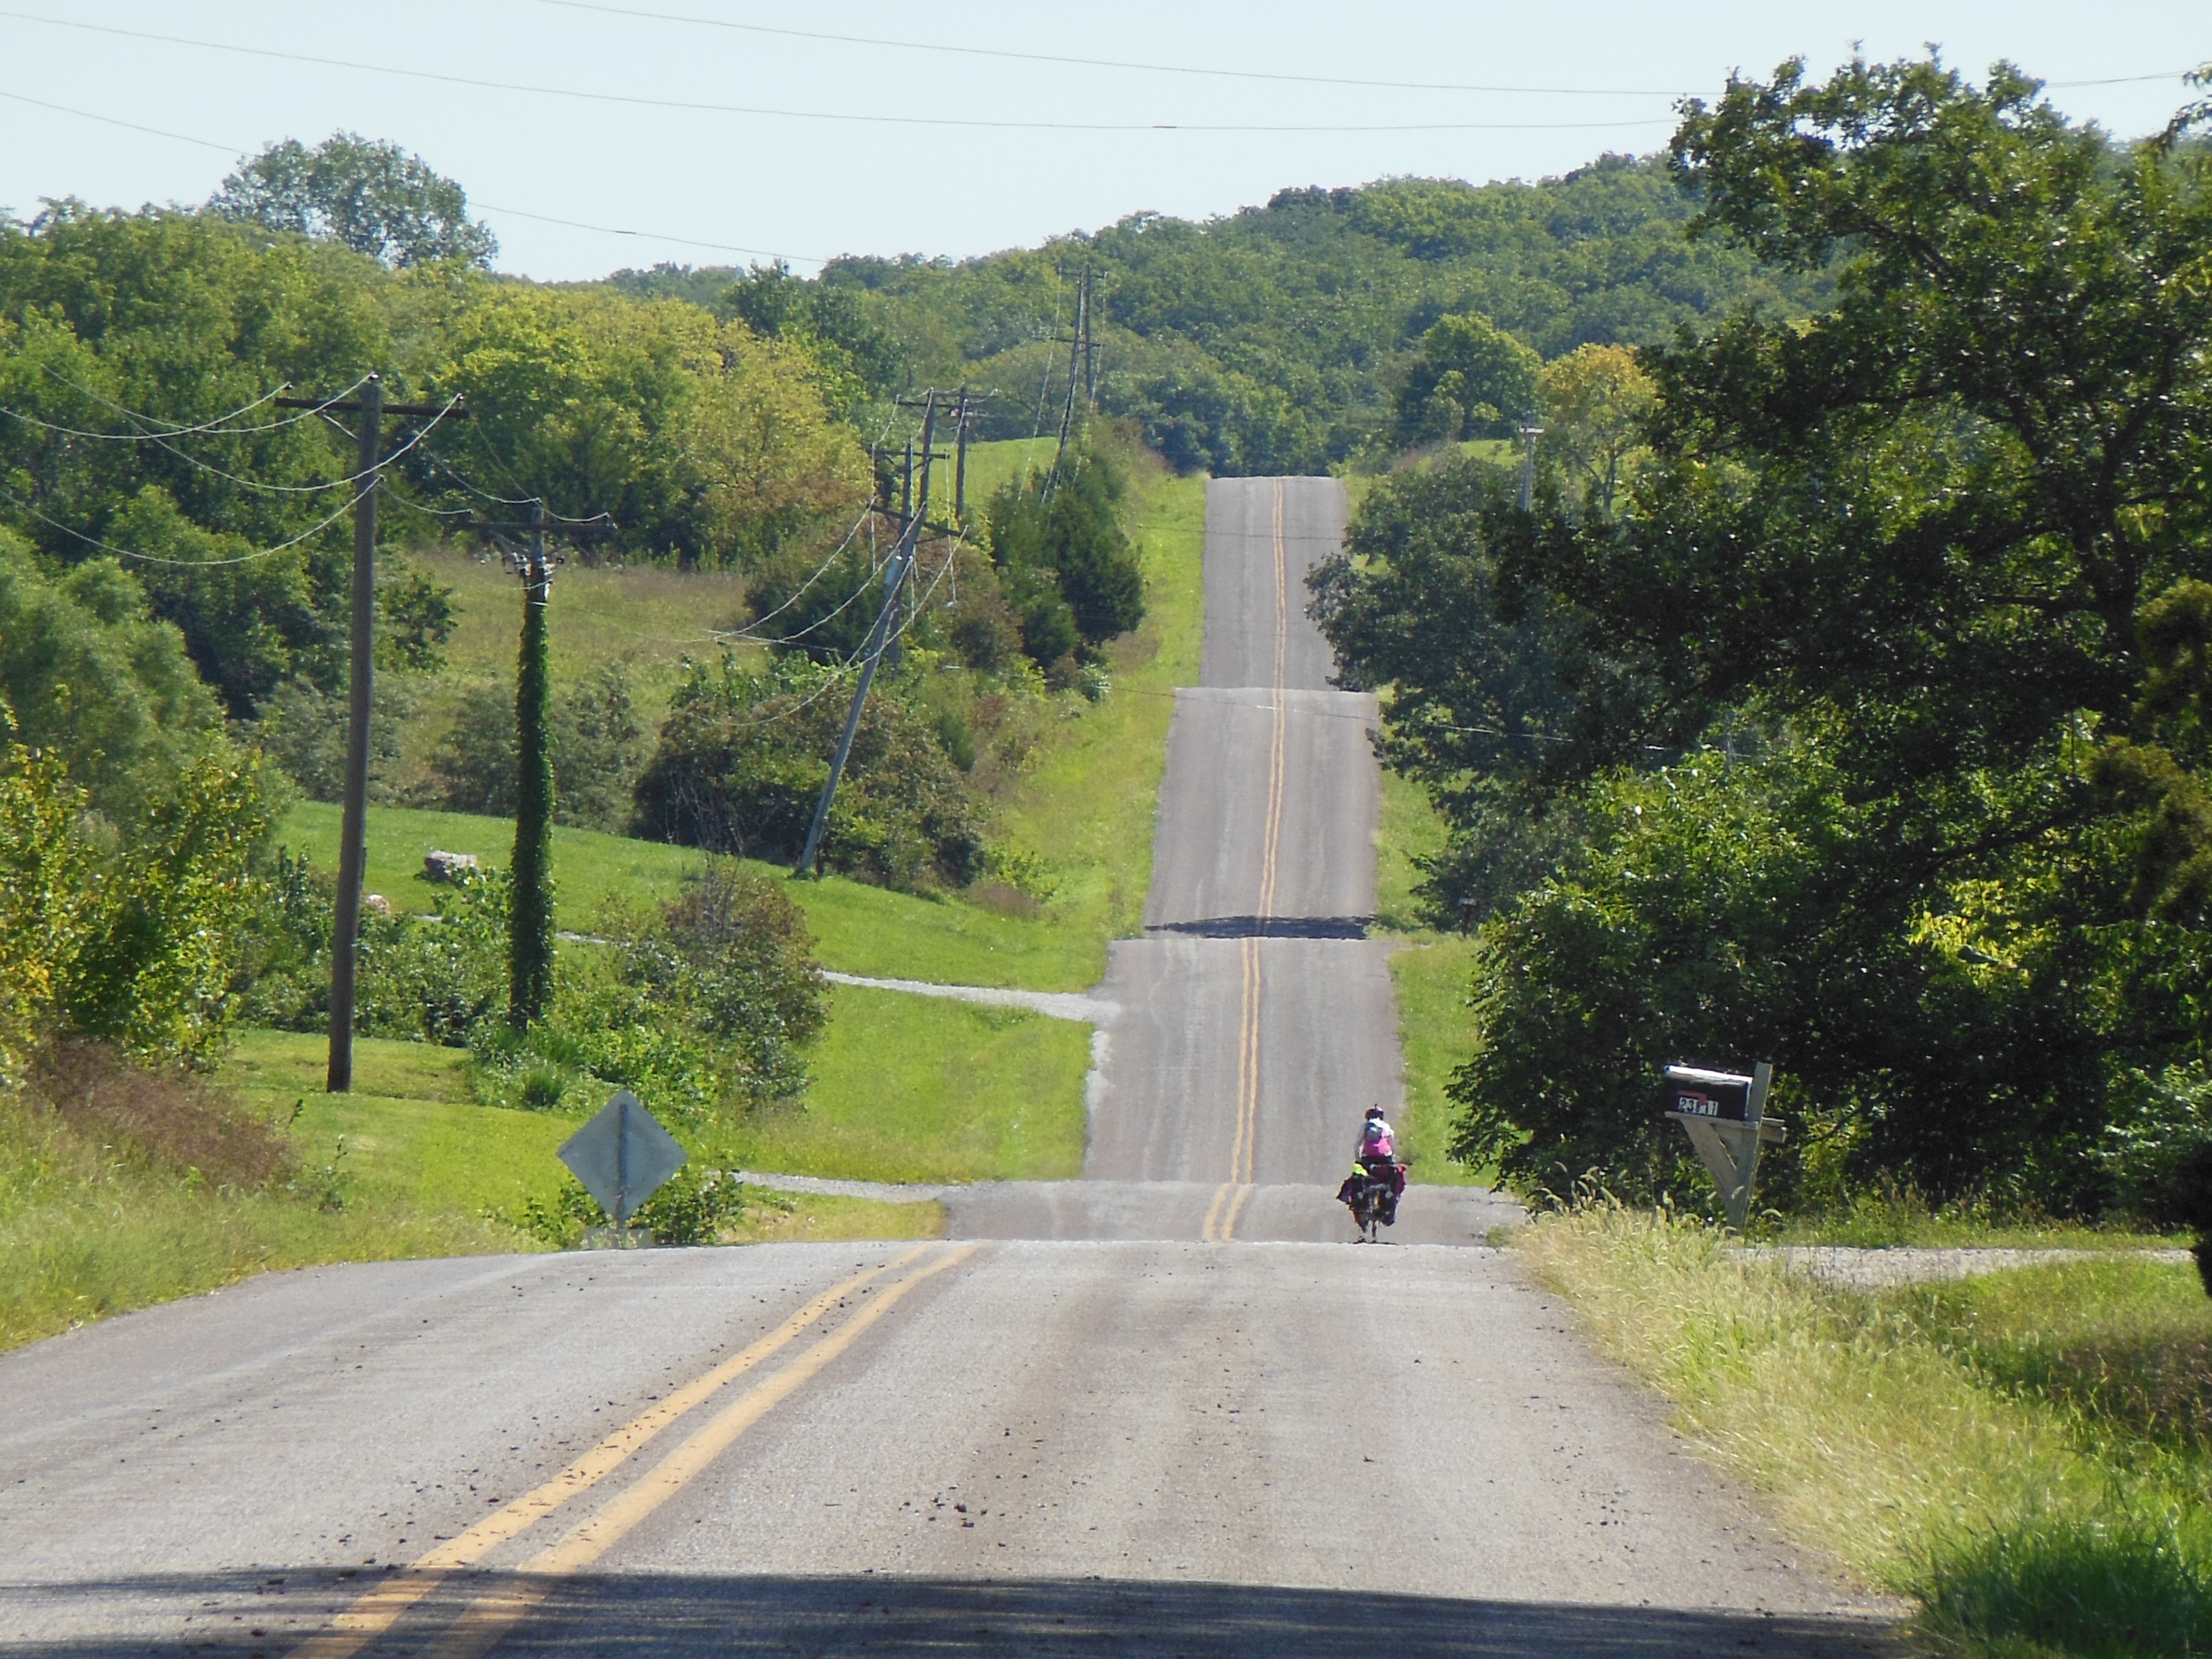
1374 1140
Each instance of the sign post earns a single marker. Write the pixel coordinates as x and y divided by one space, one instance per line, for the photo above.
1725 1113
623 1155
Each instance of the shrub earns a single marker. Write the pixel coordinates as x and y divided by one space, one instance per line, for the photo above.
437 981
599 748
165 1117
744 755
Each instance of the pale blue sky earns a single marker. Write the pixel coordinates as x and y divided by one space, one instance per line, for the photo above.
808 187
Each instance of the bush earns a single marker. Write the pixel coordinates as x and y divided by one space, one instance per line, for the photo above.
166 1118
744 755
696 1206
438 980
1067 571
599 748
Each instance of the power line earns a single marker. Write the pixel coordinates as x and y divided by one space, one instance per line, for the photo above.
1107 63
190 564
970 123
1208 71
244 558
652 235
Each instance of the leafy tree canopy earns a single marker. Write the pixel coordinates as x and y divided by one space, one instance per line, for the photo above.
1471 380
1877 692
366 193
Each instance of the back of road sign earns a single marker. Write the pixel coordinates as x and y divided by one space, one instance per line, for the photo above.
623 1155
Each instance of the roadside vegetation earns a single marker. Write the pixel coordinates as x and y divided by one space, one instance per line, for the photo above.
2023 1457
1839 716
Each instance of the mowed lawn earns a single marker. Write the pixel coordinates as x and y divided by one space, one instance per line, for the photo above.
857 929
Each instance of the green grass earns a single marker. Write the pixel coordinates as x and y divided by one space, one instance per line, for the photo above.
911 1088
1411 828
858 929
85 1233
2023 1456
1089 807
1430 977
651 618
1883 1219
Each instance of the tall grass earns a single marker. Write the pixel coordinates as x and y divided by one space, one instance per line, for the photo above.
1915 1435
102 1211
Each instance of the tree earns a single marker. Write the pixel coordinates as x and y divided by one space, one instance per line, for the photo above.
90 678
1066 569
530 971
743 758
1908 589
366 193
1593 402
1471 380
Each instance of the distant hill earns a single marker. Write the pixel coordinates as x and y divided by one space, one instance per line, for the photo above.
1274 339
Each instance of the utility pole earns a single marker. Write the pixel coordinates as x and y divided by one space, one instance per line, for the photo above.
1529 433
960 461
361 680
879 637
1078 348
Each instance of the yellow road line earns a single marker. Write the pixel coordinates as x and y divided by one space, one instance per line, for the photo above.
372 1614
1213 1213
487 1619
1235 1209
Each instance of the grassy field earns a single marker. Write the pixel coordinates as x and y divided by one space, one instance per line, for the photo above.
1089 807
911 1088
858 929
1086 810
2025 1455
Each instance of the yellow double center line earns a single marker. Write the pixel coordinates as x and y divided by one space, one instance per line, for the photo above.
1229 1198
486 1619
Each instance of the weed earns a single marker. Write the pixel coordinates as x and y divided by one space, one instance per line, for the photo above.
169 1119
2023 1455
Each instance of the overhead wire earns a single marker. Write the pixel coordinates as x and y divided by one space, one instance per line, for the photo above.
865 118
196 564
314 530
1209 71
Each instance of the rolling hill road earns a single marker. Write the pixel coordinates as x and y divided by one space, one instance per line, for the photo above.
1155 1411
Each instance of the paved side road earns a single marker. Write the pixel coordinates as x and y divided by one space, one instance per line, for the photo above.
1018 1448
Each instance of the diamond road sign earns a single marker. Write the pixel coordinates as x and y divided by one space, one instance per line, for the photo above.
622 1157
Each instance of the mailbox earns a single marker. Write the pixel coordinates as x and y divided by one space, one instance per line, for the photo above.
1724 1114
1695 1092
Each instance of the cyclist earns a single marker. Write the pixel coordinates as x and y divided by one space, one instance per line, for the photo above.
1377 1158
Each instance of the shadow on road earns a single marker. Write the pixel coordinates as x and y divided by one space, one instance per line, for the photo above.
269 1613
1267 927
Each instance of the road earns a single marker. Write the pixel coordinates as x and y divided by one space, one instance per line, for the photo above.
1155 1411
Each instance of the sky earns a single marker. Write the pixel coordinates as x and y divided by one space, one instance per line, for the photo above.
593 136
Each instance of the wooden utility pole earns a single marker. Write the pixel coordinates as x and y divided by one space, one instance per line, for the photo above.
1078 348
361 674
878 638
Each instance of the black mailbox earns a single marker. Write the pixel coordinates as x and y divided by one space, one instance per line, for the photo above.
1696 1092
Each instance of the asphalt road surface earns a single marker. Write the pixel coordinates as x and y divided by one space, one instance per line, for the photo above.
1153 1412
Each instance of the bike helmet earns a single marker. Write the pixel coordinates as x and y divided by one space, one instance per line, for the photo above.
1374 1111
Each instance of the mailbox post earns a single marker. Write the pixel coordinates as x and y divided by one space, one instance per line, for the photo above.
1725 1113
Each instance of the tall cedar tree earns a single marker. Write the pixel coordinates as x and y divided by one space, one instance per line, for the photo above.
530 985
